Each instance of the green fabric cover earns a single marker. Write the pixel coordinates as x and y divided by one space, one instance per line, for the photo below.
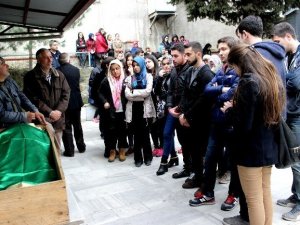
25 156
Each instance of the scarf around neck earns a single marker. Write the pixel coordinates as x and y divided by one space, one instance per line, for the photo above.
116 84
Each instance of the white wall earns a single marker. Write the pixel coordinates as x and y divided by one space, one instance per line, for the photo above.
130 19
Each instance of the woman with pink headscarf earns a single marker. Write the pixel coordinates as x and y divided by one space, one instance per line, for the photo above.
110 94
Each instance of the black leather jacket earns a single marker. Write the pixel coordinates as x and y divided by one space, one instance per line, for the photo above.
176 85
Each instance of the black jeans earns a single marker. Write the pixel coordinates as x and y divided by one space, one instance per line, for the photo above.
115 131
141 134
72 119
219 138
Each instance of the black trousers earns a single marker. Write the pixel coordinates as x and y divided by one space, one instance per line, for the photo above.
140 127
73 120
115 131
194 144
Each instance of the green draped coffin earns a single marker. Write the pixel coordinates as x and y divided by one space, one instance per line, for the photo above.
25 156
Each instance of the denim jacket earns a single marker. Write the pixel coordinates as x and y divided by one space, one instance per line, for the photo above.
8 115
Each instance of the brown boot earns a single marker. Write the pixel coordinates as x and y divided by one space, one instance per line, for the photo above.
122 156
112 155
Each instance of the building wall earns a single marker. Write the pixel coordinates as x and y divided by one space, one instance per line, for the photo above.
130 19
294 20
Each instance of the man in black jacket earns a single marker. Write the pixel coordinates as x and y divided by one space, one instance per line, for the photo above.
175 90
73 112
195 112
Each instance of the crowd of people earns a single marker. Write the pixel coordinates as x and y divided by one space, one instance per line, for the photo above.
224 108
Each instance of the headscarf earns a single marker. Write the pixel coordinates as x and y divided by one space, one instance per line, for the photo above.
139 80
91 35
217 63
116 84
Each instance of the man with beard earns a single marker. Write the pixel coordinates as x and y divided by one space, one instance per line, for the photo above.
177 77
195 111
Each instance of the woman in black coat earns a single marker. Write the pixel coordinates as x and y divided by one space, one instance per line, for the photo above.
113 116
255 113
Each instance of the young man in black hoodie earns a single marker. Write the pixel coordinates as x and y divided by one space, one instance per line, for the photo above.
250 31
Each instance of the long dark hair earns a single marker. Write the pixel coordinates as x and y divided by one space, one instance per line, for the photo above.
248 60
127 55
155 70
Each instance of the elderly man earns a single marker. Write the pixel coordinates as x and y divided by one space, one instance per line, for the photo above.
13 102
48 89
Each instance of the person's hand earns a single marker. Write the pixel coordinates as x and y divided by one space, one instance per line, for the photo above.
40 117
30 116
174 112
162 73
183 121
226 106
225 89
55 115
130 69
106 105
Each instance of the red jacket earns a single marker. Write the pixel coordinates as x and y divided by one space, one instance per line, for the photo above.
101 43
90 45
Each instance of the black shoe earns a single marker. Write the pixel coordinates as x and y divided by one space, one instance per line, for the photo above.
191 184
138 164
106 153
81 150
180 174
173 162
148 162
163 168
129 151
191 177
68 154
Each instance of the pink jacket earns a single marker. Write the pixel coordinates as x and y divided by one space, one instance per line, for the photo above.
101 43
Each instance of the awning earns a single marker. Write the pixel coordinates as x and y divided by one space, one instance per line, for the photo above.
41 18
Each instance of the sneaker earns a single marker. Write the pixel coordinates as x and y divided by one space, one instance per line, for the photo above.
181 173
235 220
289 202
230 203
293 215
203 200
154 151
198 193
225 179
159 152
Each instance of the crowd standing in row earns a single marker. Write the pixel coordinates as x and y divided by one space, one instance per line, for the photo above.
225 112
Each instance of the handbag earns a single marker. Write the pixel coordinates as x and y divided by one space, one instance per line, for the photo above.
288 146
160 109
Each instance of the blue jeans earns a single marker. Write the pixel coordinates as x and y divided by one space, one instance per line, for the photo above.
169 131
294 124
218 140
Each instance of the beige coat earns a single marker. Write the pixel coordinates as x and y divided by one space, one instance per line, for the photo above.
140 95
